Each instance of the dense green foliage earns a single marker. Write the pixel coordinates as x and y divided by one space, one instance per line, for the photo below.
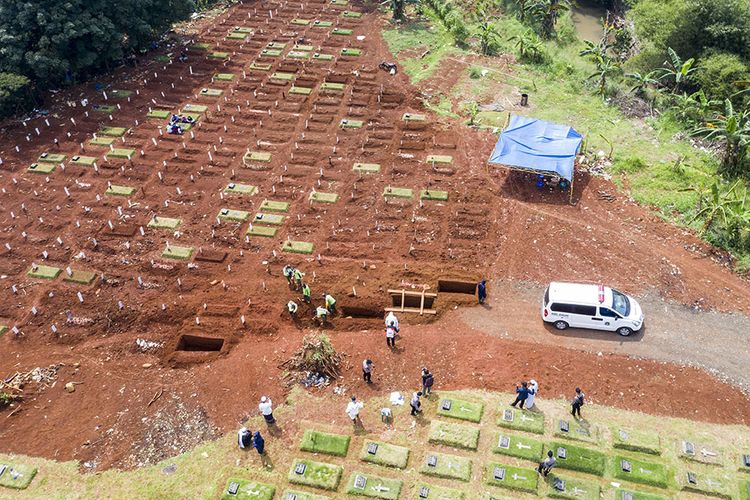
15 93
52 42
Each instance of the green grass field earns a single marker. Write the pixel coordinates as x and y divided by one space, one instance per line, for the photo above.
446 466
462 410
650 473
390 455
520 420
642 441
315 474
513 478
518 446
456 435
374 486
578 458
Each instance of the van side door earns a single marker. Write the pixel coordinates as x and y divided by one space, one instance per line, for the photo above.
586 317
611 320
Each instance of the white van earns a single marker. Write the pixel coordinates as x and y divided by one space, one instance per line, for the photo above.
591 306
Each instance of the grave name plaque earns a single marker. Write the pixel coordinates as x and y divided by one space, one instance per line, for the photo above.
627 495
746 460
564 426
446 404
300 468
508 415
504 442
424 492
431 461
624 435
233 488
562 453
372 448
559 484
499 473
688 448
291 496
692 478
3 467
626 466
360 482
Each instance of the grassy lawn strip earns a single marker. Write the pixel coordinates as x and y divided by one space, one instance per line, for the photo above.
573 488
457 435
385 454
640 472
323 442
577 432
717 483
23 475
303 496
249 489
463 410
637 495
521 420
446 466
578 458
518 446
437 492
316 474
513 478
375 486
641 441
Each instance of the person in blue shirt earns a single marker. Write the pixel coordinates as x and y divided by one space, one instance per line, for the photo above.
522 392
259 443
482 291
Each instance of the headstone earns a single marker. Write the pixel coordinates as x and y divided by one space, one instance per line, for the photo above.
692 478
372 448
424 492
627 495
233 488
3 467
562 453
559 484
626 466
431 461
746 460
499 473
624 435
504 442
360 482
291 496
300 468
446 404
508 415
688 448
564 426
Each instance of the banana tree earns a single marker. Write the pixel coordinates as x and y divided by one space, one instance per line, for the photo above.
676 71
528 44
641 83
547 12
488 36
605 67
717 205
733 129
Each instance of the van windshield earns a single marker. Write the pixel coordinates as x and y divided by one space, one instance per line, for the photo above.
620 303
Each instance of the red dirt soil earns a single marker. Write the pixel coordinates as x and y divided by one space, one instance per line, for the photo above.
494 225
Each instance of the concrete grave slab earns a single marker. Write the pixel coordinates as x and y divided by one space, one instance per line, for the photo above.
80 277
86 161
115 190
102 141
445 159
240 189
211 92
233 215
366 168
164 223
262 231
297 247
112 131
274 206
161 114
194 108
41 168
44 272
351 52
349 123
324 57
341 31
177 252
51 158
218 55
414 117
271 219
121 153
320 197
300 90
433 195
394 192
224 77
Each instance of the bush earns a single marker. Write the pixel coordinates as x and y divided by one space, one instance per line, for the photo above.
720 72
15 94
475 73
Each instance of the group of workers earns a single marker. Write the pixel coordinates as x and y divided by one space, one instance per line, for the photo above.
294 278
176 123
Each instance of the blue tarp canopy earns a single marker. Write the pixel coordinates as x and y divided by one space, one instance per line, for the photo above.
537 145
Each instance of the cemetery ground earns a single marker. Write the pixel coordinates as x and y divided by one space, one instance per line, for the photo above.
145 268
657 463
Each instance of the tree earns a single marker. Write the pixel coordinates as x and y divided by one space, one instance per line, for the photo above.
733 129
605 67
641 83
547 12
488 37
15 93
719 205
676 71
722 74
528 44
722 25
398 9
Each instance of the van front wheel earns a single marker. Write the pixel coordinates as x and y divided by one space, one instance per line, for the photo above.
624 331
561 325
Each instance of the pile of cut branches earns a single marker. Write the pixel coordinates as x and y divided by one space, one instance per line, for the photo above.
317 359
11 389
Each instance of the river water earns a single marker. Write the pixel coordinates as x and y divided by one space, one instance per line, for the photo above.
588 21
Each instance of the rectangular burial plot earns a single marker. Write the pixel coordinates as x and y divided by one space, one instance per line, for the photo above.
224 77
631 494
573 488
41 168
177 252
334 86
161 114
341 31
577 431
80 277
714 484
462 410
257 156
368 485
237 36
112 131
351 14
326 443
121 153
315 474
103 108
200 46
115 190
428 491
242 29
240 189
167 223
387 454
351 52
446 466
366 168
102 141
414 117
432 195
297 247
322 24
85 161
121 93
518 446
300 90
199 343
456 435
276 45
194 108
745 490
641 441
512 478
269 219
394 192
16 476
349 123
233 215
298 54
211 92
444 159
323 57
274 206
270 53
51 158
699 452
300 22
40 271
260 66
279 75
246 489
218 55
262 231
578 458
317 196
639 471
302 495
